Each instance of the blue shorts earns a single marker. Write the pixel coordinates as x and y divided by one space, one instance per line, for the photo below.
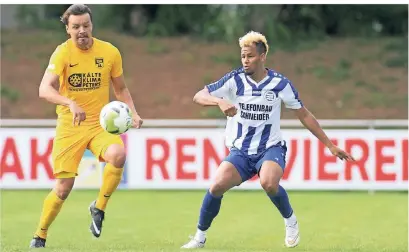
250 165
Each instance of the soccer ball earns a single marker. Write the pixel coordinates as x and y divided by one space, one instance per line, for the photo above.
116 118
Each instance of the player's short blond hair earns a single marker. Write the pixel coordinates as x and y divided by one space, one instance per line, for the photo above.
253 37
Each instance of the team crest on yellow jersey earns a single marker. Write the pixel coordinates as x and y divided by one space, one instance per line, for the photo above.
99 62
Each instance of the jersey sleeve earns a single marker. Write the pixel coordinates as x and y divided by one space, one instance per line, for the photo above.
225 87
117 69
220 88
57 61
289 95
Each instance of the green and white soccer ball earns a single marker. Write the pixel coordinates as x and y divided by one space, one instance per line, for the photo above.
116 117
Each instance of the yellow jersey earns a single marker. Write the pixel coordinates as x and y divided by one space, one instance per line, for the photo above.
85 77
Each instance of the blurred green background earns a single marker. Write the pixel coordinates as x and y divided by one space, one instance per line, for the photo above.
347 61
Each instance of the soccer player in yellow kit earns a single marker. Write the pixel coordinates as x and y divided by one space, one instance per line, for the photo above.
83 67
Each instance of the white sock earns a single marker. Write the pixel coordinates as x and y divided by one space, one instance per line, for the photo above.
291 220
200 235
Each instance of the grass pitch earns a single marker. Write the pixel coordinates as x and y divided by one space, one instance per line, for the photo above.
248 221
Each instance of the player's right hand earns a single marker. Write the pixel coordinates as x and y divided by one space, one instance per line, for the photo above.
227 108
341 154
78 114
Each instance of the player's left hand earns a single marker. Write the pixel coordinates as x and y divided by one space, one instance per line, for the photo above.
341 154
136 121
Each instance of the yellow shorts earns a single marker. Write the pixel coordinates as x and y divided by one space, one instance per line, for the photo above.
70 143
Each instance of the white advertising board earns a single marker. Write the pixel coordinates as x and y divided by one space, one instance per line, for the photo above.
188 158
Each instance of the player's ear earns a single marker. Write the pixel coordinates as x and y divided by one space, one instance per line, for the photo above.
263 57
66 28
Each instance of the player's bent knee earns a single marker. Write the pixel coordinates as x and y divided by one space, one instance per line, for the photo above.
217 189
63 187
270 175
227 177
269 187
62 193
116 155
120 159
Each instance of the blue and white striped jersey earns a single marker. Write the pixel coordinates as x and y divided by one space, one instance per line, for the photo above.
256 126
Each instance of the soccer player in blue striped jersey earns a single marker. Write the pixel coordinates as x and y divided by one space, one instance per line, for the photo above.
251 98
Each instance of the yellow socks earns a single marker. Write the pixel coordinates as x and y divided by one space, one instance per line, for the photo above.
51 207
52 203
111 179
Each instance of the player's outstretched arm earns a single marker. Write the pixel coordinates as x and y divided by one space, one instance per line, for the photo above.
309 121
122 94
204 98
48 91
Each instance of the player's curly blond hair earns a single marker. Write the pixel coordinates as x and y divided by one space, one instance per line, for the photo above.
256 38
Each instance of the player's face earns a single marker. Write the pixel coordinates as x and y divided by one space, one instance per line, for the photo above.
251 59
80 29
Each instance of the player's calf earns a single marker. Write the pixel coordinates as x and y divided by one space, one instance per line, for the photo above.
270 175
281 201
115 157
51 207
209 210
226 177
